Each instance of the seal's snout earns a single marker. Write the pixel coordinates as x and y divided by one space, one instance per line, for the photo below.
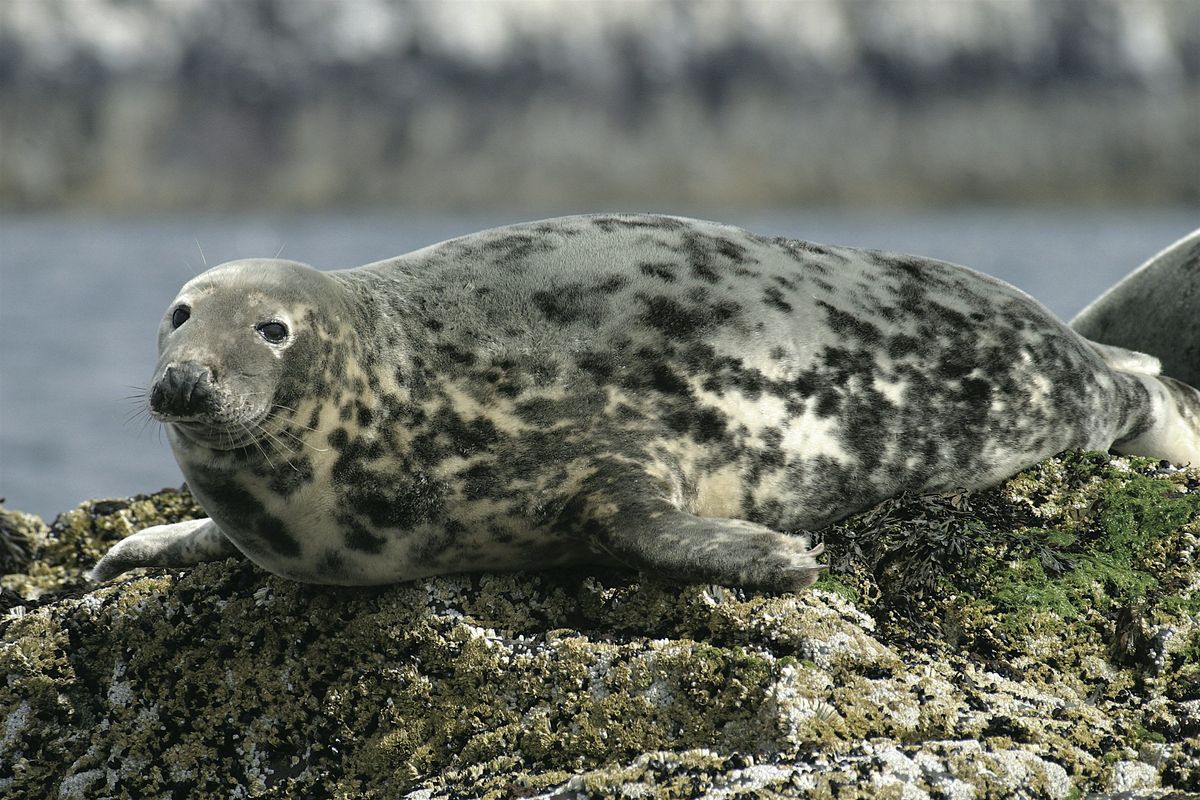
184 390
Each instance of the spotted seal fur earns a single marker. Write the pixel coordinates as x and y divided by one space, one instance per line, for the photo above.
649 391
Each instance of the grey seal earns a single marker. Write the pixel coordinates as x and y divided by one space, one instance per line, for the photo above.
646 391
1155 309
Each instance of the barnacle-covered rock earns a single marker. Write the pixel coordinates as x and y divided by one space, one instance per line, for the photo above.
1040 639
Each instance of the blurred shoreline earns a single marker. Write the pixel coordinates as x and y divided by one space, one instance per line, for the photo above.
302 105
1089 149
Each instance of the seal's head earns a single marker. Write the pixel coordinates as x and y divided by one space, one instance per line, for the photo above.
227 343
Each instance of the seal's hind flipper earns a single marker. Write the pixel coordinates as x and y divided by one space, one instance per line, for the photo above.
1127 360
182 544
1169 425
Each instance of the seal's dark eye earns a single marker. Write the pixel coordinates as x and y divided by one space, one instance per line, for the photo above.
273 332
180 316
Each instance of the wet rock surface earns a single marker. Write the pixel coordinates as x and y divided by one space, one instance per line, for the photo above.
1040 639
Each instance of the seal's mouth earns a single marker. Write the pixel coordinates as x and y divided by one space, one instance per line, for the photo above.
232 435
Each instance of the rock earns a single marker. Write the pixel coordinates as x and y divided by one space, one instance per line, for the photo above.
1040 639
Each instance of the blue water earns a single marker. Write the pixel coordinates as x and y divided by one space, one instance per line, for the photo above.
81 297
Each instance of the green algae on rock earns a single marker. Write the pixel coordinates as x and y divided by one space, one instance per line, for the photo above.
1039 639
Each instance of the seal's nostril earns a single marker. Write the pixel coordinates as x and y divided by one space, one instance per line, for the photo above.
156 397
201 395
185 389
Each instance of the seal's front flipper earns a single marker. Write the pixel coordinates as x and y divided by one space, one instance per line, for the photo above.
684 547
182 544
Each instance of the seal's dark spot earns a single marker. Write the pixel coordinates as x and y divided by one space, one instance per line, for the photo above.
645 369
609 224
565 304
288 477
849 324
900 345
365 415
449 434
612 283
601 365
670 317
685 322
828 402
455 355
511 250
578 302
702 424
731 250
223 489
976 392
701 269
358 538
774 298
332 564
662 271
275 534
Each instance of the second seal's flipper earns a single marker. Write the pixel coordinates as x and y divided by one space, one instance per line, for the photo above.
1155 309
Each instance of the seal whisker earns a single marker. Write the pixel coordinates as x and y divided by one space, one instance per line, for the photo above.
280 448
137 412
142 413
140 407
278 444
258 429
297 424
255 441
259 444
291 410
283 431
301 440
